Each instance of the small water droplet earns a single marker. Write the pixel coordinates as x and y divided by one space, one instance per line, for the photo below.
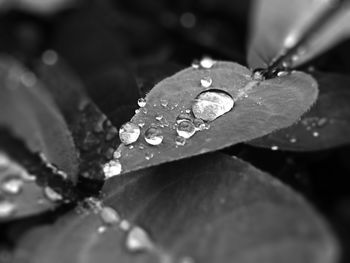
186 129
52 195
112 168
258 76
109 216
7 208
129 133
274 148
210 105
125 225
195 64
180 141
131 147
4 162
12 185
159 117
163 102
137 239
148 156
282 73
141 146
207 62
117 154
137 111
188 20
141 102
321 122
28 79
183 116
101 229
315 134
293 140
141 124
199 124
153 136
49 57
206 82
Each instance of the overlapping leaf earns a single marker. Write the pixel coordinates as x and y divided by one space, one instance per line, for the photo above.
211 208
260 108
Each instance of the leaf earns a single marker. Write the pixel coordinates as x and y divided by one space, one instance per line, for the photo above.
260 108
94 135
211 208
278 26
30 113
325 126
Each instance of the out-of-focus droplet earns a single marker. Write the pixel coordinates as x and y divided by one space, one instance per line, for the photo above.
206 82
117 154
52 195
109 216
101 229
207 62
180 141
186 129
137 239
322 122
49 57
12 185
153 136
124 225
129 133
7 209
210 105
112 168
159 117
195 64
188 20
4 162
28 79
141 102
315 134
274 148
293 140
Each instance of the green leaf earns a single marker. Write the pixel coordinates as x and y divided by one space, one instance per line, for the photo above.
212 208
278 26
260 108
30 113
325 126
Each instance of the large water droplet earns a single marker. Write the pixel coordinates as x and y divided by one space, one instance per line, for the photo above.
137 239
12 185
112 168
210 105
141 102
206 62
129 133
153 136
109 216
7 208
186 129
52 195
206 82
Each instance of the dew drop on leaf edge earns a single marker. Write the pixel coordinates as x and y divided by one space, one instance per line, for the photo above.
129 133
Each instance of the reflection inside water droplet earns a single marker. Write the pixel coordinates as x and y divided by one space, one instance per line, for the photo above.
137 239
129 133
186 129
153 136
212 104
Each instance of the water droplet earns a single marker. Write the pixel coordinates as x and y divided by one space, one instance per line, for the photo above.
124 225
112 168
149 156
206 82
282 73
258 76
293 140
52 195
12 185
153 136
49 57
315 134
101 229
195 64
112 132
210 105
180 141
141 102
137 239
28 79
321 122
137 111
199 124
27 177
129 133
188 20
186 129
159 117
206 62
117 154
7 208
183 116
163 102
4 162
131 147
141 124
274 148
109 216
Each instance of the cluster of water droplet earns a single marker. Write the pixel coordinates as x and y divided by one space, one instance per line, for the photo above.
314 124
